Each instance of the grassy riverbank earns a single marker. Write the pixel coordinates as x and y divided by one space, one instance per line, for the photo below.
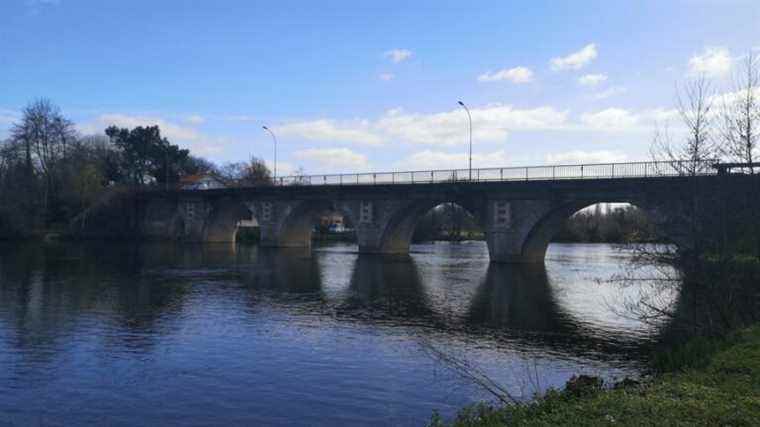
712 383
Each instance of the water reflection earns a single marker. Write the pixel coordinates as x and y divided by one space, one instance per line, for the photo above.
386 288
283 332
285 271
516 297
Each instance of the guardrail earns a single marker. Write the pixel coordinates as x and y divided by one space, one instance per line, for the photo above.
528 173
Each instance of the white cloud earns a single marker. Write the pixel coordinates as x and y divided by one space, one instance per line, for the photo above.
334 158
490 123
398 55
241 118
610 119
622 120
592 79
515 75
659 115
195 119
580 157
329 130
615 90
8 117
186 136
713 62
387 76
731 98
575 60
430 160
172 131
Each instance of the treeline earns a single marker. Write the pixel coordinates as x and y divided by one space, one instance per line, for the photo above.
447 221
627 224
49 172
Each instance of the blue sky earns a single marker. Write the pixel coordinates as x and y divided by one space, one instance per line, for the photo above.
351 86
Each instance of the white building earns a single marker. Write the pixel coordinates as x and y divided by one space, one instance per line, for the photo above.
203 181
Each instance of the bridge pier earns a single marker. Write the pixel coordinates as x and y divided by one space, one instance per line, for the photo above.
510 226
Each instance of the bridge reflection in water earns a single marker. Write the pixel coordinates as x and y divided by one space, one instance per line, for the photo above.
267 324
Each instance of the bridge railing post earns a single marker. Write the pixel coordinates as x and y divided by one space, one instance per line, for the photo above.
613 170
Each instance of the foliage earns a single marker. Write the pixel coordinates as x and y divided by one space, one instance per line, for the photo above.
50 175
244 174
448 221
146 156
724 390
620 225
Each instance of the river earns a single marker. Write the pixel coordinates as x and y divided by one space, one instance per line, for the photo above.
118 334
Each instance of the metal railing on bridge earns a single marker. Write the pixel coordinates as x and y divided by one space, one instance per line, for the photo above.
527 173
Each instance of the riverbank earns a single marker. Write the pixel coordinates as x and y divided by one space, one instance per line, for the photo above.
713 382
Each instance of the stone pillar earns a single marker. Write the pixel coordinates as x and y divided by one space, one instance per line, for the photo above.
195 213
280 226
369 226
509 225
382 226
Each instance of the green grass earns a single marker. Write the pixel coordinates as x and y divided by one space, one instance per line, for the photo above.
718 386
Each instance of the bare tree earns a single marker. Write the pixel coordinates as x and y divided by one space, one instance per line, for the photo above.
251 173
693 154
44 133
740 114
740 130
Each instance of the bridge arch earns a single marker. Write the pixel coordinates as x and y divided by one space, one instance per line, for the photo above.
402 223
536 242
295 226
222 222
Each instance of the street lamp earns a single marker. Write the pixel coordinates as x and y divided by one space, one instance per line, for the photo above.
274 138
469 117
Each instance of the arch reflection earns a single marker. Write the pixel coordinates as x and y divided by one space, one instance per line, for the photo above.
386 287
516 296
281 270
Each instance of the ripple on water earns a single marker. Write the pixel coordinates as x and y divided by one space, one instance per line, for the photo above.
200 335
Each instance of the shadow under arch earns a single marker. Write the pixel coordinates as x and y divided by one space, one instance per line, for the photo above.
549 225
517 302
222 223
282 271
297 227
386 287
516 296
397 235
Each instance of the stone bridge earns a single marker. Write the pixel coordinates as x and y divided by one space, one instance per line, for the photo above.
518 215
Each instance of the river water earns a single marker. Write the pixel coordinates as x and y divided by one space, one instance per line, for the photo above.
114 334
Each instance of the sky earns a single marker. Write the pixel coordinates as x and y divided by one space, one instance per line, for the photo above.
373 86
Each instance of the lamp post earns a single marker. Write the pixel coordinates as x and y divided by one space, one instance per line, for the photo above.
274 138
469 118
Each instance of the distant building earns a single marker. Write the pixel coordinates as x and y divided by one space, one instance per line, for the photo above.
250 223
202 181
333 223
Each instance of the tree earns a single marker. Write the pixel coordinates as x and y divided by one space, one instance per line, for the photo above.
253 172
197 165
740 115
740 130
146 156
693 154
44 134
